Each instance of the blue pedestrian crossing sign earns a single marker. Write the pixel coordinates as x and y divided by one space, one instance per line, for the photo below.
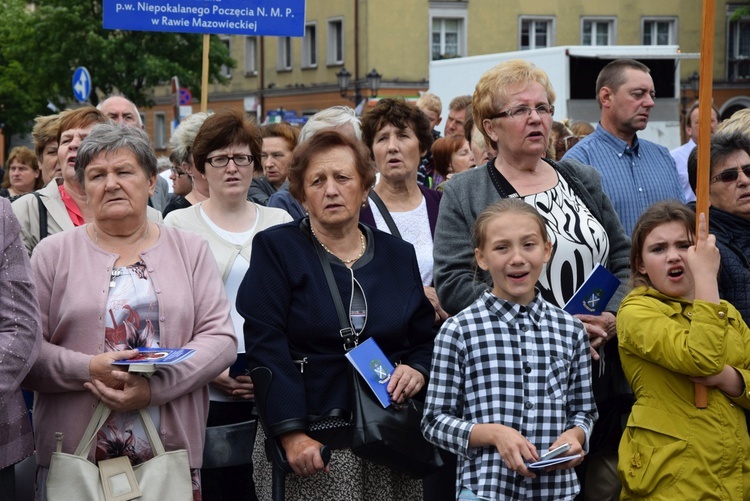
81 84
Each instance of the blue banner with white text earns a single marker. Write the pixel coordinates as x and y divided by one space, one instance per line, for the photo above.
218 17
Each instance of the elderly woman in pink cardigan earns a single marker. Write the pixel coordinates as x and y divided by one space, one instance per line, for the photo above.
20 339
116 284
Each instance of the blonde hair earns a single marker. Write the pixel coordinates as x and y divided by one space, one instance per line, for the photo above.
44 133
429 101
502 207
494 87
738 122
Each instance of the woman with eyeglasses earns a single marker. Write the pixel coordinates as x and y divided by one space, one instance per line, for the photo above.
513 105
224 152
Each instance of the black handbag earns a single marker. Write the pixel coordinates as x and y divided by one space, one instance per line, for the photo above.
392 436
388 436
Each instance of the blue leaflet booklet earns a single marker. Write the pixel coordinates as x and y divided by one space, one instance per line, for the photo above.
374 367
594 294
161 356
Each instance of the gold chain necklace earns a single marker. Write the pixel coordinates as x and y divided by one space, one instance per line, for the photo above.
345 261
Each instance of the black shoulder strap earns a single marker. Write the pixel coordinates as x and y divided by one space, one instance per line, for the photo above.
386 215
346 332
42 216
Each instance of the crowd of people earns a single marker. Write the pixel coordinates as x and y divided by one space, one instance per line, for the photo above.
273 251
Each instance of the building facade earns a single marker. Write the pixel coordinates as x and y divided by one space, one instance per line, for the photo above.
398 39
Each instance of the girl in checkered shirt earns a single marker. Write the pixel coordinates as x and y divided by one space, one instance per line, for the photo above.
511 374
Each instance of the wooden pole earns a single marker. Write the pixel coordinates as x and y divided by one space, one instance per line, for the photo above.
204 76
705 102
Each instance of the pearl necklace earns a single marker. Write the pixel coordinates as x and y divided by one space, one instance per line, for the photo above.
345 261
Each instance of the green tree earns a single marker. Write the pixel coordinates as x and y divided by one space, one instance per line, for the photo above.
42 43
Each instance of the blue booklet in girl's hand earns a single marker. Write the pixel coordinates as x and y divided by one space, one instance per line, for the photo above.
374 367
592 297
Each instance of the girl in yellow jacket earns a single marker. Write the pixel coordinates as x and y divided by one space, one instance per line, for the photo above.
674 331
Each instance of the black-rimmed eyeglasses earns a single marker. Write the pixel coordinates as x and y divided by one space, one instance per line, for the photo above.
542 110
177 172
223 160
731 175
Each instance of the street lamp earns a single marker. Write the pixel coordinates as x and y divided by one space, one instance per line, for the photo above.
343 78
373 81
694 81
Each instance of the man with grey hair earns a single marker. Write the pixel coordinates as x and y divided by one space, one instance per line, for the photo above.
124 112
121 110
341 118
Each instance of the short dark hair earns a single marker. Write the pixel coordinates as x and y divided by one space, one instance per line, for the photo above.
723 145
468 127
613 74
692 109
400 114
226 128
322 142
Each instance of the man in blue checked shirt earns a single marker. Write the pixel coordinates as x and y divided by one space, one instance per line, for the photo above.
635 173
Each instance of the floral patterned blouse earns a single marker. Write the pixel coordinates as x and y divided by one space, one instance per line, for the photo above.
132 321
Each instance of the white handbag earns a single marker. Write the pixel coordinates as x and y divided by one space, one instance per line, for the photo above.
164 477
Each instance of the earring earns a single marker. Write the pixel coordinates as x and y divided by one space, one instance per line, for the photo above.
364 204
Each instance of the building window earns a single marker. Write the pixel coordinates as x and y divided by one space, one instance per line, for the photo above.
659 32
226 71
738 49
284 54
536 33
598 31
310 46
448 28
251 56
447 37
160 131
335 41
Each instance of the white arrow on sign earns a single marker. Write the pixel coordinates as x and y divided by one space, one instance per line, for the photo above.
81 84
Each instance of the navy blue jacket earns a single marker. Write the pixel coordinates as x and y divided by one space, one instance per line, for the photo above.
290 315
733 240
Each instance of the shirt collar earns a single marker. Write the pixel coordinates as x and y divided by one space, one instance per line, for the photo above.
508 311
621 147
